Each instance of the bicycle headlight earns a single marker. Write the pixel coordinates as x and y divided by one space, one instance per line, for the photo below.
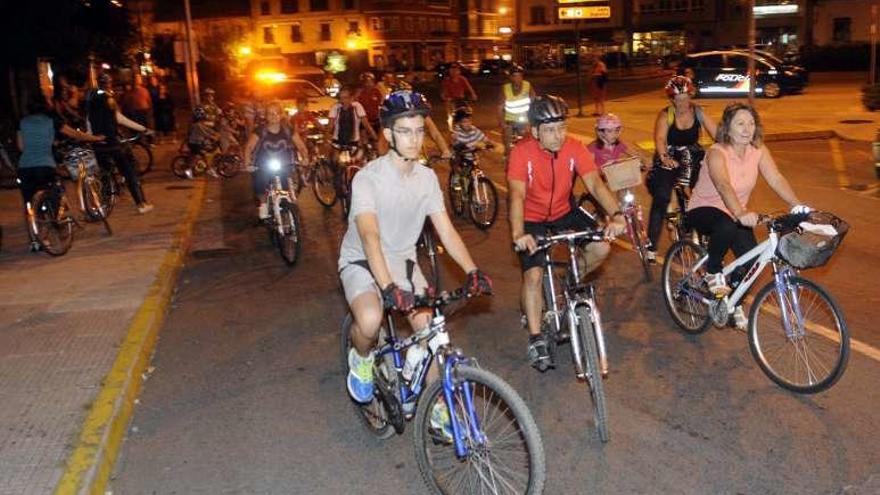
274 164
628 197
323 120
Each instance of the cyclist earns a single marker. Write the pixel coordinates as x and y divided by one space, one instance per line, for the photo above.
331 84
347 117
36 133
718 207
466 137
392 197
513 109
272 141
455 91
201 136
676 125
213 111
540 176
370 97
103 117
390 83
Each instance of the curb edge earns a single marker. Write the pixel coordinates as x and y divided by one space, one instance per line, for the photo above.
88 467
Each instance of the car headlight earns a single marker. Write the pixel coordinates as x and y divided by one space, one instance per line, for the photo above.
274 164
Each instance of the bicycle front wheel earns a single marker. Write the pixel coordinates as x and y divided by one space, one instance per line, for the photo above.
290 234
95 209
504 451
681 287
426 257
323 184
227 165
798 336
639 242
592 372
454 190
374 416
141 157
54 228
483 203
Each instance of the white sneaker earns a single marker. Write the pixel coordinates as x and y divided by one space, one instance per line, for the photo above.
717 284
144 208
263 211
739 318
651 256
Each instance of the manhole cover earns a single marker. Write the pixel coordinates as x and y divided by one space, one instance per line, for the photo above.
177 188
856 121
204 254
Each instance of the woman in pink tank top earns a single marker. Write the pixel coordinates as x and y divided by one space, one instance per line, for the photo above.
718 206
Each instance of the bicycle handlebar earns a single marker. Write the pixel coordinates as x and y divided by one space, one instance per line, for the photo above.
546 242
442 299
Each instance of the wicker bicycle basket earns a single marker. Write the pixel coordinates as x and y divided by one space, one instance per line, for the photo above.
803 248
623 174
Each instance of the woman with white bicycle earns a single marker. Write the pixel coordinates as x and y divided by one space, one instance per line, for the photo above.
718 207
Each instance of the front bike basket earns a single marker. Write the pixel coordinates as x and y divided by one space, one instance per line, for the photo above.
812 242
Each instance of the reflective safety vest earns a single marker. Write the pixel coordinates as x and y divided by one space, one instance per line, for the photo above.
516 107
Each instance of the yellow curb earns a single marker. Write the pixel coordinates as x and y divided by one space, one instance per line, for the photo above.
89 465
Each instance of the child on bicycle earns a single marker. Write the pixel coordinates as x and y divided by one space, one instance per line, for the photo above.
201 136
608 146
466 138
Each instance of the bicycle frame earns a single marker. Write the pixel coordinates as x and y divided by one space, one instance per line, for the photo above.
575 294
448 358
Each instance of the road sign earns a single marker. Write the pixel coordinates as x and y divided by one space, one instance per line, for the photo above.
602 12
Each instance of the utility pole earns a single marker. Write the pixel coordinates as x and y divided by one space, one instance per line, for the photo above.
752 34
190 57
873 64
577 53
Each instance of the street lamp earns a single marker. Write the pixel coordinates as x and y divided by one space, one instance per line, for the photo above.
502 10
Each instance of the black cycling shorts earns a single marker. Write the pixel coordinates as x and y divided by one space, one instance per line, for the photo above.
574 220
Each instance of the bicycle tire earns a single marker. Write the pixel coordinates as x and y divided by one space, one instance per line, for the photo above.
428 263
54 234
370 415
500 404
456 196
95 210
694 318
800 350
141 157
592 372
290 242
639 244
477 210
323 183
227 165
180 167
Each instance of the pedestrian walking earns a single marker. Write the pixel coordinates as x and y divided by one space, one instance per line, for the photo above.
163 111
599 86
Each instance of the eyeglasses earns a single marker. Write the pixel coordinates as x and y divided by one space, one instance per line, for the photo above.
610 129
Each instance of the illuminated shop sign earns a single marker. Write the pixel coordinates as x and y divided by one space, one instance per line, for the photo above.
778 9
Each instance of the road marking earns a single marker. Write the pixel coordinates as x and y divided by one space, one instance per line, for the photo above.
94 453
839 165
855 345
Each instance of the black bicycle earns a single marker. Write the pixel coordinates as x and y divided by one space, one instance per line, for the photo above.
138 149
49 220
471 190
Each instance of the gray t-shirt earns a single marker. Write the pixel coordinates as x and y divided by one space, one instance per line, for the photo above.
401 204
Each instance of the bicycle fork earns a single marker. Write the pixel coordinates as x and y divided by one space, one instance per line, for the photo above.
472 422
789 305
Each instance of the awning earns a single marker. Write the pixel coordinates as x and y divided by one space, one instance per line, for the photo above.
565 35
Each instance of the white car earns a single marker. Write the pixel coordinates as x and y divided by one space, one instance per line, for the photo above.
289 90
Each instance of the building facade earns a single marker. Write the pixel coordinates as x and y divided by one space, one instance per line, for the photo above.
415 34
486 28
837 22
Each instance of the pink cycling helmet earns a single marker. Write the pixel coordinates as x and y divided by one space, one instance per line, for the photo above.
609 121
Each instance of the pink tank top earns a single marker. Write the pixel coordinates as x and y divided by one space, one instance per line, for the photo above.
743 174
603 156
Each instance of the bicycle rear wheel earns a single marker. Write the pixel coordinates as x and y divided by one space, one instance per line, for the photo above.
592 372
95 209
812 354
640 243
454 190
141 157
54 226
681 287
504 451
483 203
374 416
323 183
290 237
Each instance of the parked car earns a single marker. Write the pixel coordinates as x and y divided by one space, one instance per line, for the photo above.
494 66
289 90
726 72
797 70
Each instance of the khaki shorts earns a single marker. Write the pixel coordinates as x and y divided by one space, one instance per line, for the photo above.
357 280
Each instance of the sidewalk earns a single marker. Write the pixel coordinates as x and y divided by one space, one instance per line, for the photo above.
66 326
817 113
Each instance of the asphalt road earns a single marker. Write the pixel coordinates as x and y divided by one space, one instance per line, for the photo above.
247 392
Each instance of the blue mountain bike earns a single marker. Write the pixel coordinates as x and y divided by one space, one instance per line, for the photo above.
472 432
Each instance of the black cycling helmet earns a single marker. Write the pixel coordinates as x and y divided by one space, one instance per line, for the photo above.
462 113
516 69
546 109
367 75
403 103
199 113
